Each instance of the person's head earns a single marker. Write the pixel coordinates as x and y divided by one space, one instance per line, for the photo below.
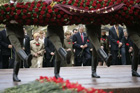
36 36
125 34
116 25
81 28
103 33
67 34
25 32
75 31
41 34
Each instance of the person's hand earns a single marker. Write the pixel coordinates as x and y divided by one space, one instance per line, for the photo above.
130 49
91 49
102 47
109 46
68 49
36 55
39 52
10 46
82 46
120 44
52 53
85 45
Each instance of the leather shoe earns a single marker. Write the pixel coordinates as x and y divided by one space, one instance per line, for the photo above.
135 74
94 75
57 76
108 60
15 78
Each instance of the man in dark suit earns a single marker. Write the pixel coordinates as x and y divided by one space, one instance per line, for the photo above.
116 35
81 46
50 53
26 47
6 49
134 34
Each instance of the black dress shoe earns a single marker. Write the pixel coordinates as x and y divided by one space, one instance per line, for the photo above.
135 74
57 76
15 78
94 75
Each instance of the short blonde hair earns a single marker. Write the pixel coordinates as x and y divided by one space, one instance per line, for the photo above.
36 34
67 33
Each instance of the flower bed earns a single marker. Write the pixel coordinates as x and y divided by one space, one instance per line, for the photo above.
67 12
52 85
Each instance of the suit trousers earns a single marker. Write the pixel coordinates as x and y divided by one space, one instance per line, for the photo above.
5 61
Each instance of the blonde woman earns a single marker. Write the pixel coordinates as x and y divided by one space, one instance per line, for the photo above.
37 50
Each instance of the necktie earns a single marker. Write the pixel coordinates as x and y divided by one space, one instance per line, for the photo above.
117 31
82 37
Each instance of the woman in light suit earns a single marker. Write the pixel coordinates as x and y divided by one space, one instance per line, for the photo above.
37 51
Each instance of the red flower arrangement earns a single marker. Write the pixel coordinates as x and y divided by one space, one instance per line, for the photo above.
41 13
66 84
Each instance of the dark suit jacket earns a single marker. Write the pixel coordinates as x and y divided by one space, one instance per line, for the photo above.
49 47
26 44
4 42
114 38
78 42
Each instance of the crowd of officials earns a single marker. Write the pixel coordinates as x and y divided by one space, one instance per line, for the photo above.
76 43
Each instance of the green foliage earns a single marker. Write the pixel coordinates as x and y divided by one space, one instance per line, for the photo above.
37 87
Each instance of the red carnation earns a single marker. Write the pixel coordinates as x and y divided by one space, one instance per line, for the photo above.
8 9
48 7
16 16
127 44
64 2
37 44
28 15
24 17
69 42
13 8
101 39
50 11
43 8
48 15
2 12
52 19
118 42
38 5
87 40
42 12
7 16
69 2
56 10
35 20
18 12
65 16
12 13
59 16
40 17
87 3
32 5
6 5
24 11
130 11
30 9
36 9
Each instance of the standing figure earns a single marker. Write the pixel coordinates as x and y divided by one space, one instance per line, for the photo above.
116 35
81 46
6 49
15 34
134 34
94 33
68 45
50 53
37 50
56 36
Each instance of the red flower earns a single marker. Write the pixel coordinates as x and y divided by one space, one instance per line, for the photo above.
35 20
50 11
38 5
2 12
69 42
18 12
36 9
42 12
58 16
7 16
48 15
8 9
48 7
30 9
24 17
87 40
118 42
127 44
37 44
103 39
24 11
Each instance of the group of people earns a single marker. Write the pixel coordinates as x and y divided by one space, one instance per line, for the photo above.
63 51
